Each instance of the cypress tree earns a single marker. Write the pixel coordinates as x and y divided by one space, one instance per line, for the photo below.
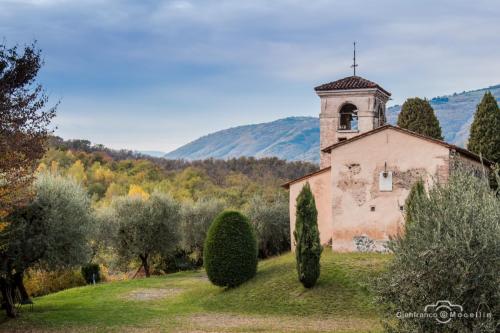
416 192
484 136
417 115
308 248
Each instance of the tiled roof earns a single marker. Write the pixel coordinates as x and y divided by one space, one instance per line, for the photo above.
350 82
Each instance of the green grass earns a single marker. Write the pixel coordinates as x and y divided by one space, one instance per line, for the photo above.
273 301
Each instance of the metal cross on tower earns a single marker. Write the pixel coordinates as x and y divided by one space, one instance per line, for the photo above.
354 65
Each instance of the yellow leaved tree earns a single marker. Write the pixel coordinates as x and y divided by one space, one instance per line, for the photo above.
77 171
137 191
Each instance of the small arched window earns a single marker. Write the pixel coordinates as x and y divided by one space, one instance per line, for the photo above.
348 117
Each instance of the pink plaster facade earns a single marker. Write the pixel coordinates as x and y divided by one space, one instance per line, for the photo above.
366 172
354 212
360 210
322 191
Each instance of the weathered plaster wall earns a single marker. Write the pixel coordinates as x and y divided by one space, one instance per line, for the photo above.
468 163
355 185
321 188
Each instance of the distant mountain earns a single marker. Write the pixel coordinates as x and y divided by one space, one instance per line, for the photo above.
297 138
152 153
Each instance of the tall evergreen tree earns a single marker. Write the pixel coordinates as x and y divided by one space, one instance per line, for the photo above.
484 136
308 247
416 192
417 115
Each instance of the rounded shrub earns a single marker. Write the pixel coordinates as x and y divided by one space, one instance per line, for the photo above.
230 252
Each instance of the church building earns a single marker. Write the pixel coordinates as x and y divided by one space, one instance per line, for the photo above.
367 167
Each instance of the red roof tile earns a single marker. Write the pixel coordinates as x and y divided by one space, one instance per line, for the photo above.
350 82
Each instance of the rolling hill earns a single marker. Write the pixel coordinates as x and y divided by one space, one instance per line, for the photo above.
273 301
297 138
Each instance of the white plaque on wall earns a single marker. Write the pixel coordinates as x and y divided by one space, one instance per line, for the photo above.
385 181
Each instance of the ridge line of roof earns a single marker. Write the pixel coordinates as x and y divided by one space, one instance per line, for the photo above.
406 131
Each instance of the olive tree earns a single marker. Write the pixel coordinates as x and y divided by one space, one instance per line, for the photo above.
52 231
147 227
196 219
105 232
271 221
449 251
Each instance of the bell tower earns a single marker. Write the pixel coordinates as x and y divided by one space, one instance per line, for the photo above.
349 107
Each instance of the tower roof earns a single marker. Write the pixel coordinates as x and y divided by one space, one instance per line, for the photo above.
350 82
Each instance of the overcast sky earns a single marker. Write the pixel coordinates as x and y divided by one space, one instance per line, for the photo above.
154 75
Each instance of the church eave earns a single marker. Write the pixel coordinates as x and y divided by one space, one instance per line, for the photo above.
353 91
287 185
350 83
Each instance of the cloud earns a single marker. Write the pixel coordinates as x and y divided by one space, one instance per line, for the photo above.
243 61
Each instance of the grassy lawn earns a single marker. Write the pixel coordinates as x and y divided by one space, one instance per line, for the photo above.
274 301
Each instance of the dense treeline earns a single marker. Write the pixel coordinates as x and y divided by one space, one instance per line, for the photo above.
214 168
107 173
146 214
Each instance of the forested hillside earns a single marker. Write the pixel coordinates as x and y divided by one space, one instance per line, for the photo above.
108 173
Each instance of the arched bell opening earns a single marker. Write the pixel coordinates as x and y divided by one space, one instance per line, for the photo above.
348 117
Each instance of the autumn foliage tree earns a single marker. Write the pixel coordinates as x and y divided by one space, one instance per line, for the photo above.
24 121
